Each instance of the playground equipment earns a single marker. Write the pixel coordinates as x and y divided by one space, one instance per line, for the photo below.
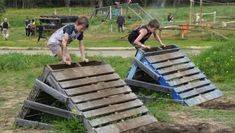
170 71
225 24
110 13
91 92
54 22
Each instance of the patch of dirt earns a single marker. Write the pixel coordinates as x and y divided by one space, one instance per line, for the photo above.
188 128
219 104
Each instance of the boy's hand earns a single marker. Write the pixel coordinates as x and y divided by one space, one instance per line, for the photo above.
67 62
163 46
85 60
147 47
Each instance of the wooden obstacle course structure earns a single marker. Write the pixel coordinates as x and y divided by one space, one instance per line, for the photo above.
169 70
91 92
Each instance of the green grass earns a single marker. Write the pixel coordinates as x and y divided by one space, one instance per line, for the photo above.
218 62
22 70
98 35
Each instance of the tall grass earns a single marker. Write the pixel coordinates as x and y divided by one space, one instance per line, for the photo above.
218 62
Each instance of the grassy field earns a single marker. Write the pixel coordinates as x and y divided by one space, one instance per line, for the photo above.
18 73
99 34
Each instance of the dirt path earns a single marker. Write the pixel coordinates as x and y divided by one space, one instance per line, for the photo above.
105 53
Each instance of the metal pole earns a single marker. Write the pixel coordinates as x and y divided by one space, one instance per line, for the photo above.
201 2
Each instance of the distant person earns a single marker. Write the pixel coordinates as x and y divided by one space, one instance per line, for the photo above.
117 2
170 17
33 27
120 23
5 28
40 30
26 22
128 1
29 28
59 41
142 33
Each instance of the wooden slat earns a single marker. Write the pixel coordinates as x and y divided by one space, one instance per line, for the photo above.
186 79
32 124
192 85
150 86
197 91
51 91
90 80
204 97
113 108
166 56
176 68
100 94
181 74
171 62
106 101
80 72
94 87
49 109
128 125
118 116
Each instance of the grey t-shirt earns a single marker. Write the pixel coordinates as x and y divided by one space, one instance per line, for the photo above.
57 37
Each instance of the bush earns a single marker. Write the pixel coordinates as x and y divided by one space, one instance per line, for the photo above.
218 62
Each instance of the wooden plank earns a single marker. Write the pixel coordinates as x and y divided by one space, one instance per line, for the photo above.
187 79
90 80
165 56
197 91
128 125
204 97
118 116
32 124
100 94
49 109
151 86
94 87
113 108
171 62
106 101
51 91
179 74
147 70
191 85
155 50
176 68
79 72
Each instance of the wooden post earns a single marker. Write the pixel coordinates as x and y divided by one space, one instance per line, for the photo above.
190 12
110 18
214 19
201 2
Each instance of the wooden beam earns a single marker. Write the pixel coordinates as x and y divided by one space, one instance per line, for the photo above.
151 73
149 86
49 109
32 124
51 91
